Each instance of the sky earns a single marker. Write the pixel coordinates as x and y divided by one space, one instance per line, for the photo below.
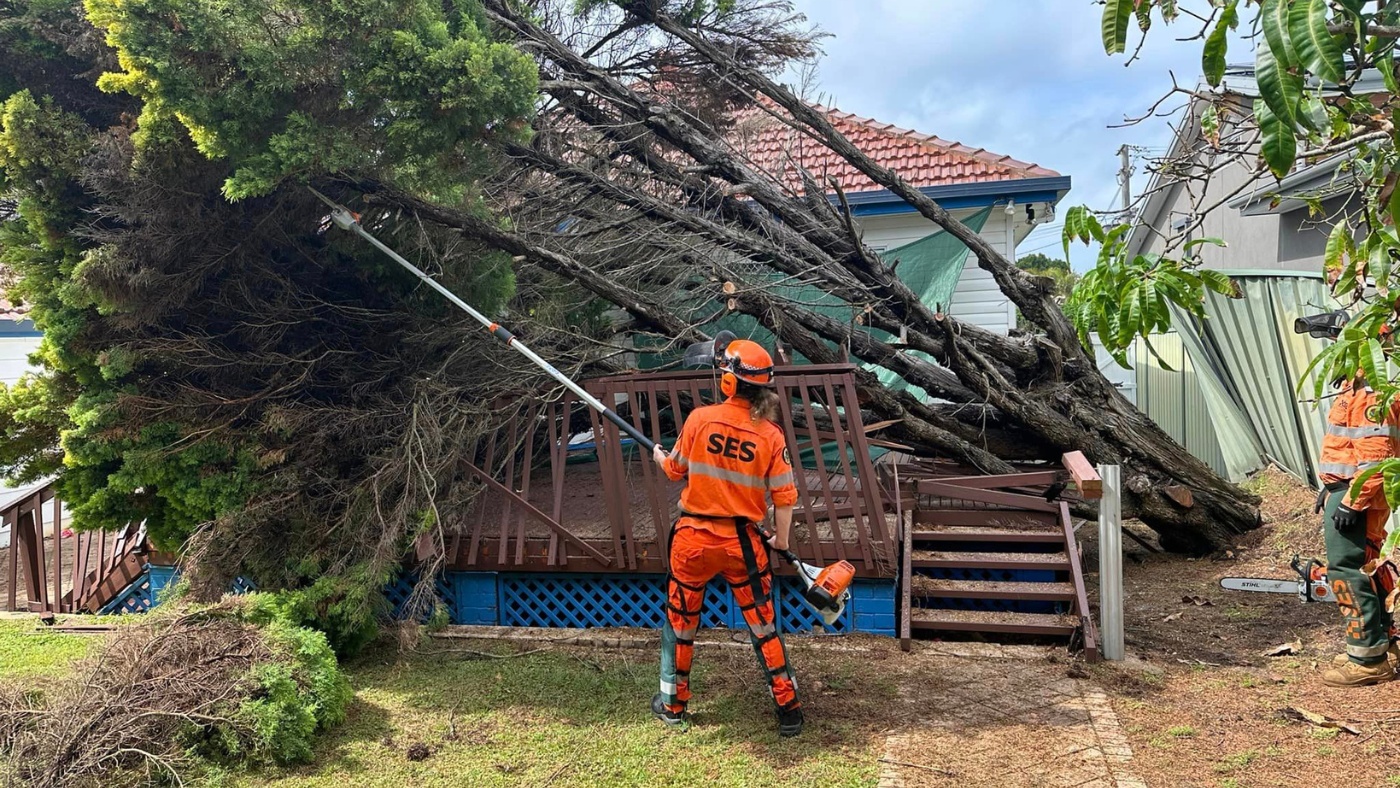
1024 78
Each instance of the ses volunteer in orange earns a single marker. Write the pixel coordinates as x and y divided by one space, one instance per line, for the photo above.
734 459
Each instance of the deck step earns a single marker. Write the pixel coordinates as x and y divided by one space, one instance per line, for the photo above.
977 589
990 621
940 559
1023 534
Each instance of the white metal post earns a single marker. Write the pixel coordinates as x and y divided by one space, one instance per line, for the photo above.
1111 562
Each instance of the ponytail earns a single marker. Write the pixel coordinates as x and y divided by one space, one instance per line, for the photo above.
763 402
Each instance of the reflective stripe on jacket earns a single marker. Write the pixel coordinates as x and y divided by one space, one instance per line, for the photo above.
733 462
1355 441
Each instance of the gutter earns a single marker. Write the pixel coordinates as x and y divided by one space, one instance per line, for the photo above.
962 195
1322 181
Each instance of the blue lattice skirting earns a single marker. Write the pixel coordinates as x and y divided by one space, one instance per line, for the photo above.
585 600
632 600
144 592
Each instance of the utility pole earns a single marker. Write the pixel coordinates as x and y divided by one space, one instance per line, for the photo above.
1125 175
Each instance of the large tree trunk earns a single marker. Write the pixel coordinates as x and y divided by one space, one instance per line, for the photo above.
668 206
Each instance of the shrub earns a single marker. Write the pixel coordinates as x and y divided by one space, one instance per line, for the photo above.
232 685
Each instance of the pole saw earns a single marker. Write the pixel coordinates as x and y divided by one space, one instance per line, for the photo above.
346 219
826 590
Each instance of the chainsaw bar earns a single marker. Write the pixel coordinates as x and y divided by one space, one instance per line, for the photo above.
1259 584
1314 591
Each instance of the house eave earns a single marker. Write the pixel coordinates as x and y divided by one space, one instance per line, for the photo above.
19 328
883 202
1320 181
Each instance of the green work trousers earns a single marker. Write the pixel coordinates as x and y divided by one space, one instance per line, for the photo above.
1367 622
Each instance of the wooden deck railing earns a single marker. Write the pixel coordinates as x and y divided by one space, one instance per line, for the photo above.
599 504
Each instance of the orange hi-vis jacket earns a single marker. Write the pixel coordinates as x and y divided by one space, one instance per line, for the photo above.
1355 441
734 464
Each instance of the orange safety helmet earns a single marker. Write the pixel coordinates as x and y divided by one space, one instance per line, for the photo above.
745 360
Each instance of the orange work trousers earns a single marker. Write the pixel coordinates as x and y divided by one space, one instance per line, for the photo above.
697 555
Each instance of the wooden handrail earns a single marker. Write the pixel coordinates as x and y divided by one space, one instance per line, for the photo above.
1086 478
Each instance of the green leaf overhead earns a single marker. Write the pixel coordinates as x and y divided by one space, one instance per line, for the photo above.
1213 55
1374 364
1144 16
1281 89
1273 17
1318 50
1278 146
1117 15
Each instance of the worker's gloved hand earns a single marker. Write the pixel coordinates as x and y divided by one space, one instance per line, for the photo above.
1347 519
658 454
777 544
1321 501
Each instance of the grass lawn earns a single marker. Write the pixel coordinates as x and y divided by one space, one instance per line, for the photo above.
559 719
28 652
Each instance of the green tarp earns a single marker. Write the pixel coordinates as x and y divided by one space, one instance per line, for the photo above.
931 266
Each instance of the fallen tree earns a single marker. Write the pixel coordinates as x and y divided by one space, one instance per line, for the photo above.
218 363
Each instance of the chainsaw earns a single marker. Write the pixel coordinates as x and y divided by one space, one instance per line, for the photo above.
1310 586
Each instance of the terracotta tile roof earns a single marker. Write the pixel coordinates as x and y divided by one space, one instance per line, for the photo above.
922 159
9 311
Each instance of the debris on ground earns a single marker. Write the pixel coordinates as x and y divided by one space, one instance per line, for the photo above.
1320 720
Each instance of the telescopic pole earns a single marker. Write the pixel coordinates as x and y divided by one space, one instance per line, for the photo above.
345 219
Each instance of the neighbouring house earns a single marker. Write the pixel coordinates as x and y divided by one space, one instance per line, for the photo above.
1232 397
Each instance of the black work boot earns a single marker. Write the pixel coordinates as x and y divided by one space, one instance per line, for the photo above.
671 718
789 722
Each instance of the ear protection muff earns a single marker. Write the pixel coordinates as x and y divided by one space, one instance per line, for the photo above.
728 384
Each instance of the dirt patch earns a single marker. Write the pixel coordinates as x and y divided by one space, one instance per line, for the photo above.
1229 727
1201 702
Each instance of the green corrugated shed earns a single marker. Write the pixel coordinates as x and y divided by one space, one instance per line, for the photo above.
1234 400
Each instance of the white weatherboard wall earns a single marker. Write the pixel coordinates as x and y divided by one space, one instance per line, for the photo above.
14 357
15 347
977 299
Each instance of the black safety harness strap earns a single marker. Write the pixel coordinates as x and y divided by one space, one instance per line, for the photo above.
760 598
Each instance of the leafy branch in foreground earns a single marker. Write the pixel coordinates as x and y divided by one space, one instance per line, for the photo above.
1122 299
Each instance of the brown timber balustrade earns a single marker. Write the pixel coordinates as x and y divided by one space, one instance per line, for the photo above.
47 569
558 498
